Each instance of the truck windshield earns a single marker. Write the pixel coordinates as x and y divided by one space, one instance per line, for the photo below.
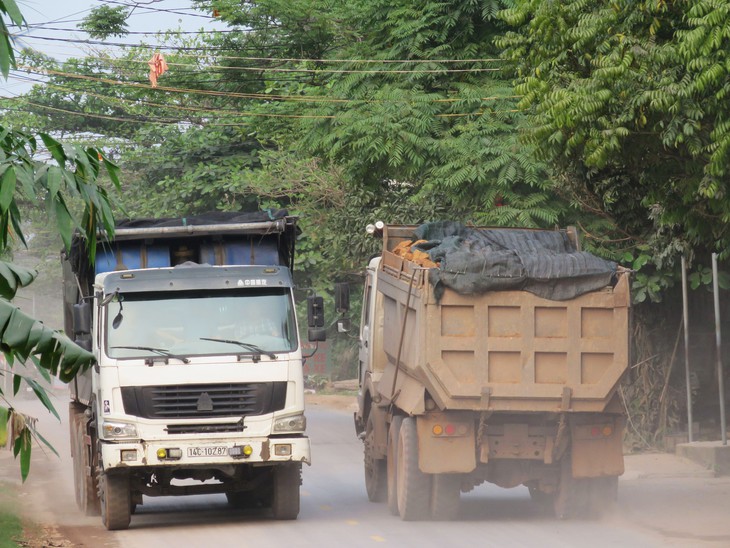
200 323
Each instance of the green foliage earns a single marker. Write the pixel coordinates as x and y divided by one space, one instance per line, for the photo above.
11 528
73 176
105 21
71 173
628 101
702 277
8 8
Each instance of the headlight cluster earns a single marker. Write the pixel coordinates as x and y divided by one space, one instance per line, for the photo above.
295 423
118 430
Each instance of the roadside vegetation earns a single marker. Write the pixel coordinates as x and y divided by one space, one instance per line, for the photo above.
11 528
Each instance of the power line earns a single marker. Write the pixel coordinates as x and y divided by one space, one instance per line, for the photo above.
238 95
197 109
160 10
177 121
278 59
140 120
41 26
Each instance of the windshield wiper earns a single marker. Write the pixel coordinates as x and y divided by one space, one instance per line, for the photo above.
258 351
160 351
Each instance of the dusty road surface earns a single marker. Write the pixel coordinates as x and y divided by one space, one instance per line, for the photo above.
663 501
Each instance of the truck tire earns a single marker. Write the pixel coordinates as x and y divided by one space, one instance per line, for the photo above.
259 497
84 483
392 464
76 456
285 501
116 500
445 496
603 494
376 481
545 501
571 499
72 428
414 487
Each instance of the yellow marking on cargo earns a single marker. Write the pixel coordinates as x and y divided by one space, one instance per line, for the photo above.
325 507
377 538
351 522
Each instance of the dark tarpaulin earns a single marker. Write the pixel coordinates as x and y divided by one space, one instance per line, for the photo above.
542 262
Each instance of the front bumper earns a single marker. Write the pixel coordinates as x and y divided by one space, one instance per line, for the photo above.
209 452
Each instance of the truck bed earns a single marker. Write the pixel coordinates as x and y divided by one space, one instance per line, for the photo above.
500 350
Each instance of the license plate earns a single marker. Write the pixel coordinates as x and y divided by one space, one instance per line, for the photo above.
214 451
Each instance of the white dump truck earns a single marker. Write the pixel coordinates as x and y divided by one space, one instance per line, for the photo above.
198 384
491 355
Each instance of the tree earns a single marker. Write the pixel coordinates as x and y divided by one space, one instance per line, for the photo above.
73 175
410 104
628 100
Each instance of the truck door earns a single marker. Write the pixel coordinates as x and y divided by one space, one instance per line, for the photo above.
365 327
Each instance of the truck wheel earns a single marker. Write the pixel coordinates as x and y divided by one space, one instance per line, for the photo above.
72 428
414 487
76 458
84 483
571 499
285 503
116 500
238 499
375 469
392 464
545 501
603 494
445 496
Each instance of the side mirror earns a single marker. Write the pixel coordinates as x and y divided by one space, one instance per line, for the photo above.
82 317
315 311
315 318
342 297
317 334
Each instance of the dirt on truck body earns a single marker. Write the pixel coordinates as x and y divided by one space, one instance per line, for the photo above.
497 363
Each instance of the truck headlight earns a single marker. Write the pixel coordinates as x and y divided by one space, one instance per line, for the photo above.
118 430
295 423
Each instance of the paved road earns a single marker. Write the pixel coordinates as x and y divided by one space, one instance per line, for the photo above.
335 510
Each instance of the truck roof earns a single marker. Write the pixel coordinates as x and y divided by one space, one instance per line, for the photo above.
194 276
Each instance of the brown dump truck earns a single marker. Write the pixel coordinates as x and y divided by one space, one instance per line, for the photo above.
508 378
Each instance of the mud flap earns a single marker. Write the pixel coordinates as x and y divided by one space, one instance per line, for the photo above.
451 452
597 446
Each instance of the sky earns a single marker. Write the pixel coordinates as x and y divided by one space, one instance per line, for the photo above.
50 22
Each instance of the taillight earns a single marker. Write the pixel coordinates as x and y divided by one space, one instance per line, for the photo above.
449 429
602 431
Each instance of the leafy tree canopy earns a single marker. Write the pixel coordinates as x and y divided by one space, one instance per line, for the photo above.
628 100
105 21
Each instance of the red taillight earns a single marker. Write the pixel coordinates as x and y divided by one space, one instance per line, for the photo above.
449 429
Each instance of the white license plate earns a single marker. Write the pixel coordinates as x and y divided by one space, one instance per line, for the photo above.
214 451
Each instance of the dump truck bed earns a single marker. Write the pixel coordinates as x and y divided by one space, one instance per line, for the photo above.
499 350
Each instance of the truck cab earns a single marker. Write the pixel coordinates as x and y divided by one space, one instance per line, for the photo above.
198 377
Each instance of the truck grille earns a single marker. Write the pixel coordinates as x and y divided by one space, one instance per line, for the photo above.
205 428
197 401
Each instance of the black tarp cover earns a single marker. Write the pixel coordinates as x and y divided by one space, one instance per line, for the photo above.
543 262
